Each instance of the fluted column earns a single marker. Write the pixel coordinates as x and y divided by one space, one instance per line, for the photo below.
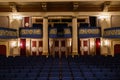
74 37
45 36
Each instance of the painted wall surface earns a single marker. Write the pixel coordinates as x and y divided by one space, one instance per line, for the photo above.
4 21
115 20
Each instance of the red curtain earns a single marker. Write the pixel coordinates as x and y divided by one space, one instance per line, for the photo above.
98 46
3 50
33 43
22 47
85 43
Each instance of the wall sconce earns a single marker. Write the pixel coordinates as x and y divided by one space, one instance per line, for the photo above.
51 43
103 17
33 49
18 17
69 43
21 44
28 44
106 42
13 44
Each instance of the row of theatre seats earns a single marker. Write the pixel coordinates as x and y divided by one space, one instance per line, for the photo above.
64 68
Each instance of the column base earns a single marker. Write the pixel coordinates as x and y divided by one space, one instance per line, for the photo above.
74 53
45 53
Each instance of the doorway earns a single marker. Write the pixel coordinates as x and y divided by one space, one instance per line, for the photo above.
98 46
36 47
116 49
84 46
3 50
59 47
23 47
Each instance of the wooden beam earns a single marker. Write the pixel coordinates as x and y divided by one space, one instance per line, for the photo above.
5 9
50 0
114 8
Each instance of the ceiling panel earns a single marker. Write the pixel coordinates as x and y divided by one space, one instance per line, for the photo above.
82 6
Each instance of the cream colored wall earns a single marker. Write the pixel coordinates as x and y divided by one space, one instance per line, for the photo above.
28 46
15 23
115 21
106 46
92 46
14 48
104 23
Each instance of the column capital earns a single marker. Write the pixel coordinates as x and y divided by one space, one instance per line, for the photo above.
45 17
74 17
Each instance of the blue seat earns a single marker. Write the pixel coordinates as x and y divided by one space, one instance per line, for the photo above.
99 74
66 78
27 78
66 74
53 78
79 78
91 78
43 75
54 74
32 74
87 74
77 74
21 75
42 78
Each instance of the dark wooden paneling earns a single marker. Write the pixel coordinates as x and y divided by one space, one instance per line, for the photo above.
89 8
5 9
29 9
114 8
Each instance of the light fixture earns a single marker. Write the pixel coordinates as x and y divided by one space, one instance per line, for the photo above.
106 42
17 17
21 44
70 42
13 44
104 15
33 49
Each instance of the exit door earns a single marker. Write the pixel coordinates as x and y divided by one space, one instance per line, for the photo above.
36 47
116 49
59 47
84 46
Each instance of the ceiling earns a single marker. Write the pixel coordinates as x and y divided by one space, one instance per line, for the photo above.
59 6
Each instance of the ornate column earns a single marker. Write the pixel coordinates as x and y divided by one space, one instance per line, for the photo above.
45 36
74 37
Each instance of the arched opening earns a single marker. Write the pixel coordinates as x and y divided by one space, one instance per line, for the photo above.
117 49
3 50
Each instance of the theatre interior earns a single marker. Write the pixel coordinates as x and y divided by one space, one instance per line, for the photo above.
59 39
